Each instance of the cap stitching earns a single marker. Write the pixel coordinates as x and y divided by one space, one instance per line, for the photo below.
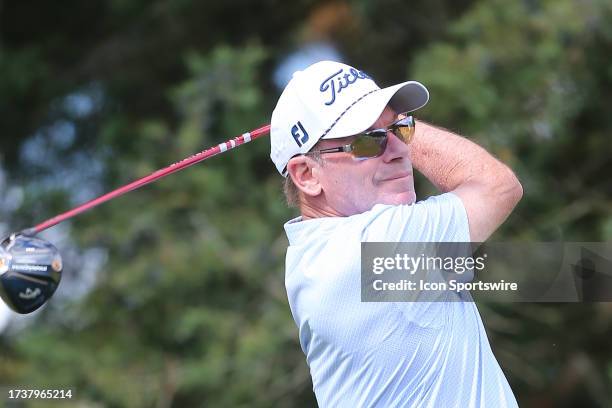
346 110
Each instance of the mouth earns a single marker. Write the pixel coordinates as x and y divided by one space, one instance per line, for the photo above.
399 176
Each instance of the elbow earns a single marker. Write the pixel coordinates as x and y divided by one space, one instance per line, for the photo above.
519 191
512 190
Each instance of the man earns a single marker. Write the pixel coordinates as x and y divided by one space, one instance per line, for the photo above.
352 188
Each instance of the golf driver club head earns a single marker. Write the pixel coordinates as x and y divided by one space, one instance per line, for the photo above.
30 271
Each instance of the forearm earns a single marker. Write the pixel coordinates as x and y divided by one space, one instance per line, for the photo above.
448 160
488 189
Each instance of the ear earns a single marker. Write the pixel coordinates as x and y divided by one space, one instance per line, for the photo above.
300 169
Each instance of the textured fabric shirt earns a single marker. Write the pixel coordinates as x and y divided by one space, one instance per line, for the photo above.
386 354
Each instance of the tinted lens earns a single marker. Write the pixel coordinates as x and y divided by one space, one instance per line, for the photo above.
369 145
404 129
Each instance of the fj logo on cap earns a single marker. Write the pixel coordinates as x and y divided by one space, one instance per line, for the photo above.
300 138
340 82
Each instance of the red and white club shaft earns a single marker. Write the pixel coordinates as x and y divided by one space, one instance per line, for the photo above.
189 161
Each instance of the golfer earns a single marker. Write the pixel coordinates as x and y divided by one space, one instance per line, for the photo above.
348 150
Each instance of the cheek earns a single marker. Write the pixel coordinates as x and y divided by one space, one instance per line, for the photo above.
364 188
347 188
351 186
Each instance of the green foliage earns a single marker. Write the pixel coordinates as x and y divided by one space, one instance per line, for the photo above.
525 80
519 78
190 307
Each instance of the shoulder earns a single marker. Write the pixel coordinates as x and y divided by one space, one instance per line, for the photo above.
438 218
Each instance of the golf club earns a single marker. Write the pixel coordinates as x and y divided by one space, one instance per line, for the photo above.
30 267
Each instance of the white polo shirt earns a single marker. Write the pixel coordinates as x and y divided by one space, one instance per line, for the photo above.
393 354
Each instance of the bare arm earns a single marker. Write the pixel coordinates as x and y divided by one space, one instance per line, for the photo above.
488 189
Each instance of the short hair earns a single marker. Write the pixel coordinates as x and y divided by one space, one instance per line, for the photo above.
292 192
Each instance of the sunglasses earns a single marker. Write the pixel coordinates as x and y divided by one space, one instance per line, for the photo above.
374 142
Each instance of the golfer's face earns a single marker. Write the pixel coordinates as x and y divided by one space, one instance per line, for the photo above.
354 186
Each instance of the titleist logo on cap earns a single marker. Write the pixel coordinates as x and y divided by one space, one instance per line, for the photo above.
340 82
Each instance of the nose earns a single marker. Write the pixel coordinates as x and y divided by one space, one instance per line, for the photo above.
396 149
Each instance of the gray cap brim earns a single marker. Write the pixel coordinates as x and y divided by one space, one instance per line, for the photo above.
403 98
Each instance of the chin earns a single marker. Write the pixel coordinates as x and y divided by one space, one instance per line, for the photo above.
408 197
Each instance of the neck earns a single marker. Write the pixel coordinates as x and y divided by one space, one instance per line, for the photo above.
309 211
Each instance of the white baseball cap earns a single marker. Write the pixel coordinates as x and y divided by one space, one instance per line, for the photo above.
329 100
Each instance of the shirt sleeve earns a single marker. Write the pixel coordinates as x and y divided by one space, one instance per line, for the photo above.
440 218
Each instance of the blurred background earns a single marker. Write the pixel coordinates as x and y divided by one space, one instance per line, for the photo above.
173 295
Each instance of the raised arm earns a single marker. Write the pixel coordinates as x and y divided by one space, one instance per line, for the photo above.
487 187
